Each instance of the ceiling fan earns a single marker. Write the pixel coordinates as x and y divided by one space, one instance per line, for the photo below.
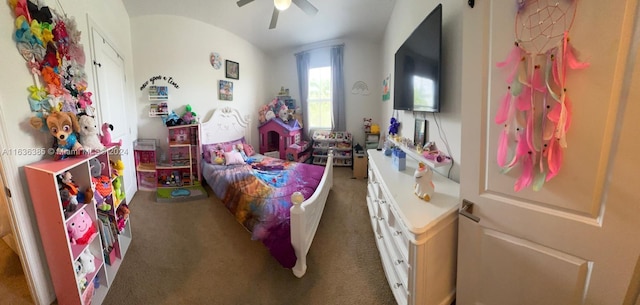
281 5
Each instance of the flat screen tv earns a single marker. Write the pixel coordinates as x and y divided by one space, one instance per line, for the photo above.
418 66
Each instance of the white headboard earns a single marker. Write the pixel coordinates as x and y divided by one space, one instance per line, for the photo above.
226 124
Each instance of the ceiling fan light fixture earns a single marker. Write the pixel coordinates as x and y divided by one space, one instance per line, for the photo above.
282 4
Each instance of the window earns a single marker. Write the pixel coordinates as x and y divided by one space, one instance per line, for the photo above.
319 102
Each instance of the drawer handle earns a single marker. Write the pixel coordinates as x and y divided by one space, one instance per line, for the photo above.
397 285
381 218
400 261
380 236
374 217
383 201
396 233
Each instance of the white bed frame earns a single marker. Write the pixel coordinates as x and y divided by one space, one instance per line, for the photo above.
226 124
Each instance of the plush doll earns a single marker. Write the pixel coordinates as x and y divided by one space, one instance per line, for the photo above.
69 203
80 228
89 134
63 127
424 182
117 187
83 266
394 125
189 117
103 185
95 168
105 137
366 122
117 167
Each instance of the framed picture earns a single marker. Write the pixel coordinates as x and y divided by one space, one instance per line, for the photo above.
232 69
420 135
225 90
386 89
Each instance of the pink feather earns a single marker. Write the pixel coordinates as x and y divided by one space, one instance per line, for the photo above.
536 80
503 145
554 114
572 61
569 106
554 70
521 149
514 56
526 177
554 158
503 111
523 101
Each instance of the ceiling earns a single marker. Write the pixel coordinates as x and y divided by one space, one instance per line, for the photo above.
365 19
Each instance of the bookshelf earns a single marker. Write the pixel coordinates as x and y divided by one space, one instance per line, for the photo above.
63 255
338 141
158 96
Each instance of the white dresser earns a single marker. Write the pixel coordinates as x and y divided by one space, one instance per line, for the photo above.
416 239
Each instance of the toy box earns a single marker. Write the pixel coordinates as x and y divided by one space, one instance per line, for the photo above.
399 159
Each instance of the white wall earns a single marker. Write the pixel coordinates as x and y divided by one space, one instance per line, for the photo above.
361 63
406 16
180 48
112 19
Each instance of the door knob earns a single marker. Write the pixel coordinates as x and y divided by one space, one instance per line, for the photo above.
467 209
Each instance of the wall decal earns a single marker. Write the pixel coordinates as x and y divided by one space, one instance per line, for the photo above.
153 80
360 87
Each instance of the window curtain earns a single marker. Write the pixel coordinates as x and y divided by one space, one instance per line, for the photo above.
337 78
302 60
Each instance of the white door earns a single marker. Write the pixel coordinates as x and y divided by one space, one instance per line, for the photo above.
112 108
576 240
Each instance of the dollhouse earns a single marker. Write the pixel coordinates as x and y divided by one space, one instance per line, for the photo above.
276 136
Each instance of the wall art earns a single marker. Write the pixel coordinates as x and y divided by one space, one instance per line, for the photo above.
225 90
536 111
216 60
232 69
386 91
360 87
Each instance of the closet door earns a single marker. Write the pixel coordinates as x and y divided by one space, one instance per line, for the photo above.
112 107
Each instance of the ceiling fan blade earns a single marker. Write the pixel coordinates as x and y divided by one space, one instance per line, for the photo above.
274 18
306 7
241 3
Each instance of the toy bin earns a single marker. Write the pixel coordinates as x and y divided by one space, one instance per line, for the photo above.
399 159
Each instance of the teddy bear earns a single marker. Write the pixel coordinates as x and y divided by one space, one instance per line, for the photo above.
63 126
89 134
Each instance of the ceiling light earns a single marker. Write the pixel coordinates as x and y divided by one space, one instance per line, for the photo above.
282 4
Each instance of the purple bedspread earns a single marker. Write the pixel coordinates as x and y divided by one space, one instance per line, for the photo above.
259 195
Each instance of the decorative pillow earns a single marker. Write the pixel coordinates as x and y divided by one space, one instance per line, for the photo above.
248 149
216 156
226 146
233 157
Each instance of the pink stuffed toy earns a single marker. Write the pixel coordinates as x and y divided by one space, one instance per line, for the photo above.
81 228
105 137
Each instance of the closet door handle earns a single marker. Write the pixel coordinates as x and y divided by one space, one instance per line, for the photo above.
467 209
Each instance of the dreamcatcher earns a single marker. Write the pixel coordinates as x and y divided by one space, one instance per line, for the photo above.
536 110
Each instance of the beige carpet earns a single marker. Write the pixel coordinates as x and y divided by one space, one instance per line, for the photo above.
196 253
13 284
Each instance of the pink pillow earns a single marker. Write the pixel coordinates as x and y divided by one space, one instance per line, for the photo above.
248 149
226 146
233 157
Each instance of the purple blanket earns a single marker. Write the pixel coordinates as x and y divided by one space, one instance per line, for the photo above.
259 195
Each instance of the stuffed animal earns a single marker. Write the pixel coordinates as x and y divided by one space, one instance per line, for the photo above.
366 122
424 182
63 126
189 117
83 266
89 134
103 185
172 119
117 188
105 138
117 167
69 202
95 167
394 125
80 228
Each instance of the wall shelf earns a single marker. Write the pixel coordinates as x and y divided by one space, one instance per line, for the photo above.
411 152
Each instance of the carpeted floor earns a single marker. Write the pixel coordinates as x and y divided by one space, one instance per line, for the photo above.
13 284
196 253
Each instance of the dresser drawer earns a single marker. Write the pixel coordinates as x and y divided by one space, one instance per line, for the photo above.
395 256
398 286
399 232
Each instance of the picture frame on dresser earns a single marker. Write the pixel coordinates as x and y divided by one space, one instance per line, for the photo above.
421 132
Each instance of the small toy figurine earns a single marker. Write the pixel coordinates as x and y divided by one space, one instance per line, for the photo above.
394 125
424 185
105 138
